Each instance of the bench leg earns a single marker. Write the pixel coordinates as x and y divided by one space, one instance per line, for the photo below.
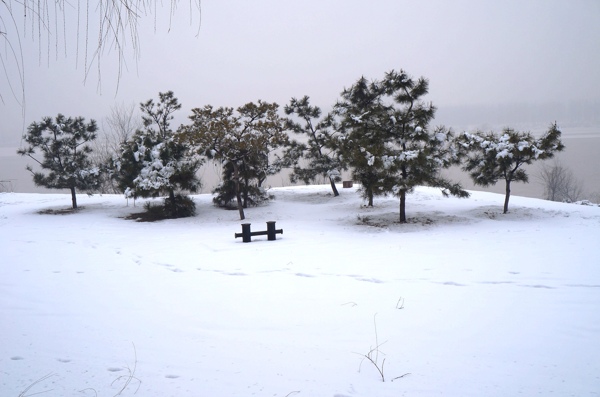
271 230
246 234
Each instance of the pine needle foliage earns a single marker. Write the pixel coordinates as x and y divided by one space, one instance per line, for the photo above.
386 139
241 138
156 161
64 143
493 157
315 147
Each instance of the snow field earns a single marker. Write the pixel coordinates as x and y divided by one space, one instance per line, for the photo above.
465 300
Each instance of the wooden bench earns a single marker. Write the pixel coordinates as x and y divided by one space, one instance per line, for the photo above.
247 234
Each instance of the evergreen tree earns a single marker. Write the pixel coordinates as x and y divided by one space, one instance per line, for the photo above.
241 139
64 143
418 153
386 138
318 134
493 157
361 139
155 160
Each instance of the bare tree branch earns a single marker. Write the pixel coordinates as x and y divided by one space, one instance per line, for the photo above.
116 30
560 184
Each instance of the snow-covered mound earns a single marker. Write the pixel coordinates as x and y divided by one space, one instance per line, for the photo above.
461 301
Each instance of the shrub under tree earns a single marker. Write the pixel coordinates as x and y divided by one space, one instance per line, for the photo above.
64 143
225 193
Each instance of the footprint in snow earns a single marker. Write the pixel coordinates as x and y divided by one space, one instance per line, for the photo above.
583 285
369 280
63 360
114 369
537 286
228 273
497 282
17 358
304 275
170 267
171 376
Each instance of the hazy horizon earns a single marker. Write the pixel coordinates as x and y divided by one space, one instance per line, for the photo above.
580 156
519 64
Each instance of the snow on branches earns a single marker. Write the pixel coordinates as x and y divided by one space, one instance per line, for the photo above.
155 160
384 138
64 144
492 156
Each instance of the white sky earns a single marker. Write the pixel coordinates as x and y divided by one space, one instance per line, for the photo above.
472 52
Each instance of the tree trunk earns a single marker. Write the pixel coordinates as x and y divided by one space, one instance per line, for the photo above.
73 198
403 192
238 194
261 180
402 206
246 192
173 204
335 191
507 196
370 196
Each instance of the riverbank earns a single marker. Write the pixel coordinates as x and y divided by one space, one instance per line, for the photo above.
582 146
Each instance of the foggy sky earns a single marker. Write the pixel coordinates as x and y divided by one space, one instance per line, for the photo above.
488 63
472 52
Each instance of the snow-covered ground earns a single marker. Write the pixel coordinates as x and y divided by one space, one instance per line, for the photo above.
462 301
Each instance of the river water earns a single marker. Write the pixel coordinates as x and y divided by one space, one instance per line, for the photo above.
581 155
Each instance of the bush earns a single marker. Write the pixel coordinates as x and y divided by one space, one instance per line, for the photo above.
179 207
252 196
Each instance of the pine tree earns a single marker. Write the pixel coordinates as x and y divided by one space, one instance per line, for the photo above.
64 143
386 140
493 157
242 139
361 140
318 134
155 160
420 153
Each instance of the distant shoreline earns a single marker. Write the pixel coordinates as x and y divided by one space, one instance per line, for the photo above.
580 155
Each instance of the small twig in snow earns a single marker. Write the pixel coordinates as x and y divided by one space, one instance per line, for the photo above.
129 377
43 378
401 376
400 304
